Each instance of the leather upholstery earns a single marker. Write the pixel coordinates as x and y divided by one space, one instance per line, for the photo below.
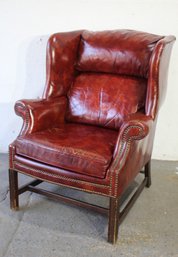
105 99
61 58
120 51
88 152
158 74
114 82
41 114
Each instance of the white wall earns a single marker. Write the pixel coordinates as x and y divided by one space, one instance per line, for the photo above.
26 25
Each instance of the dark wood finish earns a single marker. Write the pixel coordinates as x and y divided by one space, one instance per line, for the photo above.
70 200
13 186
115 216
25 187
131 202
113 220
148 173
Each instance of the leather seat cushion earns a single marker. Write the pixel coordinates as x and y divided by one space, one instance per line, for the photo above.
80 148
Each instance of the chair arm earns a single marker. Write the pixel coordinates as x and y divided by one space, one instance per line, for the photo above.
131 151
40 114
135 127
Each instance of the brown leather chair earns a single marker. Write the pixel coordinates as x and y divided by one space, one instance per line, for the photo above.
93 129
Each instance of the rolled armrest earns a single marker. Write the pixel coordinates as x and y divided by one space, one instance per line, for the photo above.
135 127
40 114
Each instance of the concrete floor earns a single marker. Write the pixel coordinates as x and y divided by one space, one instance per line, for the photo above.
45 228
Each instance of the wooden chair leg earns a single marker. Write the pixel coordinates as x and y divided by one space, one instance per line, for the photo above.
148 173
13 188
113 220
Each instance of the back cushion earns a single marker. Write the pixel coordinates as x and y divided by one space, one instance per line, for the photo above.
120 52
105 99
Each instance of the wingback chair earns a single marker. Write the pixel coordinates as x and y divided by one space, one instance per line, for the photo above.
93 129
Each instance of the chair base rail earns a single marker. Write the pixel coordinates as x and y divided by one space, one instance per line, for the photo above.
31 187
66 199
114 212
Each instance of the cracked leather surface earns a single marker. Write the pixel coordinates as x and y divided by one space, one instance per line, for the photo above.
119 51
101 79
105 99
88 152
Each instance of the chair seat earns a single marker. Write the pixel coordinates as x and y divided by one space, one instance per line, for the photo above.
80 148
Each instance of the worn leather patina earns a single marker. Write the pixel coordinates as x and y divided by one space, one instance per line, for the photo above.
94 127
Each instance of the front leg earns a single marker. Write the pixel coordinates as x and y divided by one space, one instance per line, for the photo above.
148 173
13 188
113 220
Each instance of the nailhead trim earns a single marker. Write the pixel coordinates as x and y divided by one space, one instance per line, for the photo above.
11 155
27 117
60 177
120 152
84 190
78 153
26 121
